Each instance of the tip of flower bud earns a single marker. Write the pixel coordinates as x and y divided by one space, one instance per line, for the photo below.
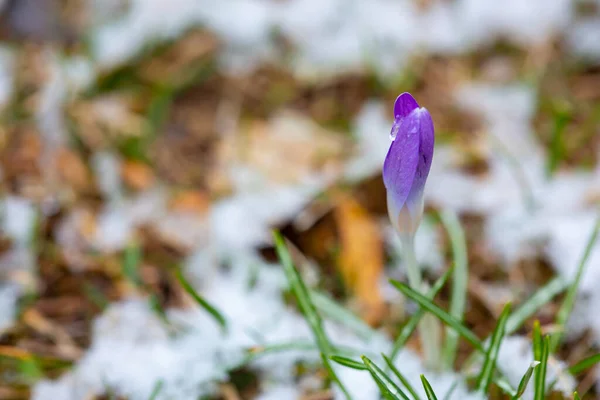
404 105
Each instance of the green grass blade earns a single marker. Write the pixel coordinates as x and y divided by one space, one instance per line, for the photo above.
489 365
537 343
576 396
566 307
541 297
542 348
401 378
505 386
584 364
428 389
156 390
458 298
412 323
441 314
331 309
348 362
525 380
307 307
200 300
132 257
448 394
385 382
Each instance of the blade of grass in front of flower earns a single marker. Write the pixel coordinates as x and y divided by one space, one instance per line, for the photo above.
428 389
156 390
401 378
566 307
584 364
525 380
307 307
385 382
537 343
255 352
491 355
412 323
348 362
540 378
336 312
505 386
458 297
518 317
541 297
576 396
216 314
441 314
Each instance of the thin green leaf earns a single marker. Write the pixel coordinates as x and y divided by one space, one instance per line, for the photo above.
428 389
561 111
348 362
491 355
566 307
584 364
537 342
307 307
156 390
401 378
576 396
412 323
200 300
525 380
389 387
505 386
448 394
441 314
132 257
540 388
458 297
336 312
541 297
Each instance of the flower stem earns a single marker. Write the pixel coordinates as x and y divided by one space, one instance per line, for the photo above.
429 328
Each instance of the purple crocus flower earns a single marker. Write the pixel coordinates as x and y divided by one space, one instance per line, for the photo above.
407 163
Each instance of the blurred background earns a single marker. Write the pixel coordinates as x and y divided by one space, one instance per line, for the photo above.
146 145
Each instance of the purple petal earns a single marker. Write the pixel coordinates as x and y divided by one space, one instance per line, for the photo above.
426 144
404 105
400 165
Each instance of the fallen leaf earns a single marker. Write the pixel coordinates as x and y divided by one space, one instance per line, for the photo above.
137 175
72 169
190 201
361 257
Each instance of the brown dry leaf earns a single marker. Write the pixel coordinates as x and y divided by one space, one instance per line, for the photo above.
194 201
286 149
179 61
72 169
66 347
361 256
137 175
106 118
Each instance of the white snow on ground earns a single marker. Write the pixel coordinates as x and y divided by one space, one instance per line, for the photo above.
17 219
6 75
331 35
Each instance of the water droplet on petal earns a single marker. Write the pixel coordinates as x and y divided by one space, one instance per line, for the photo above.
394 131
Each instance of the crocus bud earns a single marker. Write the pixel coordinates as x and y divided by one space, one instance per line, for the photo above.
407 163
